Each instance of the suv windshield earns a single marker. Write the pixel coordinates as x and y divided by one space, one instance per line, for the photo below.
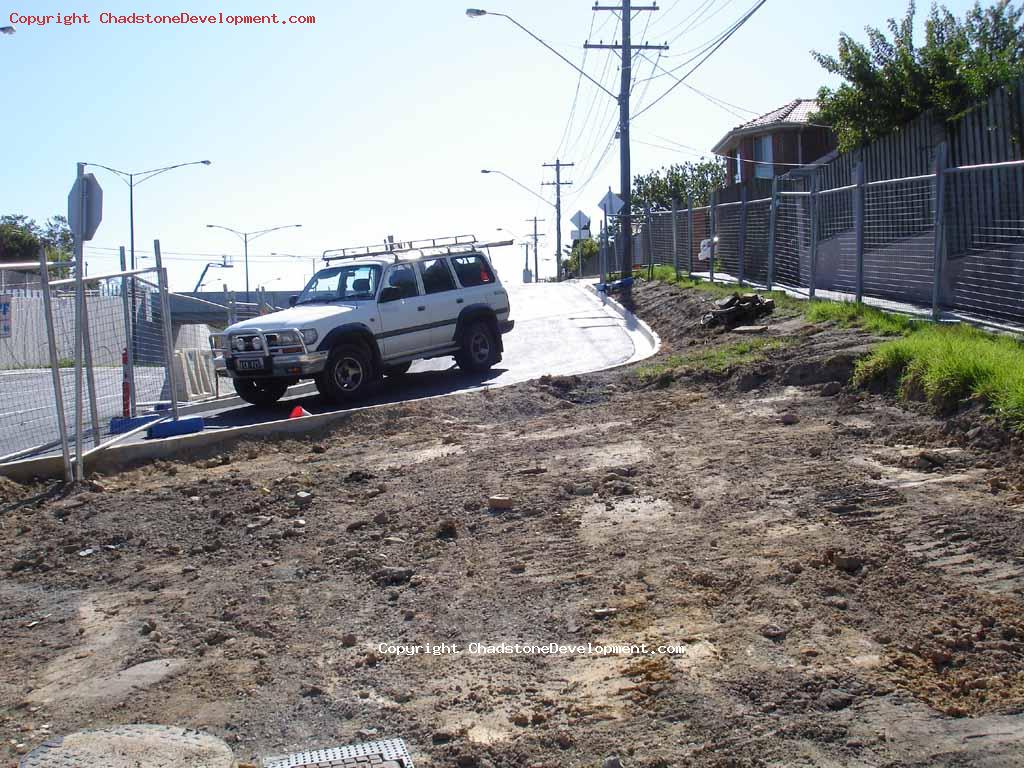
353 282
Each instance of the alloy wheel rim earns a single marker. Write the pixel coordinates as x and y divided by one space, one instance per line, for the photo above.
348 374
481 347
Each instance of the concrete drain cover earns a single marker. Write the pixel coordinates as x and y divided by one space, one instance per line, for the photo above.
132 746
379 754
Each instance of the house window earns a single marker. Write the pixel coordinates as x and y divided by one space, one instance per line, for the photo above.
738 178
763 156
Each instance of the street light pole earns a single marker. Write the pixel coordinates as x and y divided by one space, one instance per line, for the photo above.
245 240
129 178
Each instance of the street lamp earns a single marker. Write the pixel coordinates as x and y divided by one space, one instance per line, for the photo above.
245 239
519 184
131 180
296 256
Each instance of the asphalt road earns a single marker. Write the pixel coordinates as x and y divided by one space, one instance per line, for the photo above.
561 329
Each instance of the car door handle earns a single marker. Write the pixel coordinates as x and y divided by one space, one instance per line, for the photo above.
459 301
421 309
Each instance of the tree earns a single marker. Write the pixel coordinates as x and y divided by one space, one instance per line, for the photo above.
678 181
21 237
584 250
889 82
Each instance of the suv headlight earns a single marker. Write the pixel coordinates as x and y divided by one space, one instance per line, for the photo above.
309 335
288 339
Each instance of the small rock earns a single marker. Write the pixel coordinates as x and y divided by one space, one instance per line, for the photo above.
773 631
748 329
308 691
835 699
611 762
604 613
789 419
390 576
303 498
521 719
367 733
215 636
348 640
518 567
837 602
448 529
563 739
831 389
847 563
582 489
499 502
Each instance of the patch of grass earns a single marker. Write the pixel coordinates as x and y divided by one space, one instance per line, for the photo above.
948 364
850 314
717 358
721 290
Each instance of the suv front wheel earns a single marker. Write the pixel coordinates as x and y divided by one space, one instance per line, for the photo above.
349 374
479 350
261 391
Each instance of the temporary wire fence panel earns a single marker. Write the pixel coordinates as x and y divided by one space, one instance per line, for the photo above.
28 416
793 241
899 230
701 232
661 238
727 230
984 270
837 240
755 244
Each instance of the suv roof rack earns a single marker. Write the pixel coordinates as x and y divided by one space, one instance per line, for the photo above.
392 248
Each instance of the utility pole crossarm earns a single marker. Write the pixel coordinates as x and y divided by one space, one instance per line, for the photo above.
618 47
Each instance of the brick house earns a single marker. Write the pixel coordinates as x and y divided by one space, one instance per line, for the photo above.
775 143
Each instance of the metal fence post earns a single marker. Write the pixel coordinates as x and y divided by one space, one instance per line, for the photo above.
742 235
939 235
711 247
650 242
129 343
813 203
58 389
675 236
858 226
689 236
165 310
772 216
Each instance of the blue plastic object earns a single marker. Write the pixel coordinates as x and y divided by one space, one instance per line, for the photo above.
173 428
121 424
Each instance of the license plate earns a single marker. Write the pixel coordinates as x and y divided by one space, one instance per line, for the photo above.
250 365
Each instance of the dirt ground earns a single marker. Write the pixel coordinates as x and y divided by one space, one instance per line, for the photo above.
840 575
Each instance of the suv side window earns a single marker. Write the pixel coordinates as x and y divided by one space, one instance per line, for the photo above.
437 278
404 278
472 270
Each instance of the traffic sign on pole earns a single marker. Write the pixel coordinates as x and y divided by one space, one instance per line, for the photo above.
581 234
85 207
611 204
581 220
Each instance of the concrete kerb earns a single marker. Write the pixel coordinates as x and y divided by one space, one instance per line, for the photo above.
633 322
121 456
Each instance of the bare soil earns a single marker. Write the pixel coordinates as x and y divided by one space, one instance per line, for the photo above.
842 574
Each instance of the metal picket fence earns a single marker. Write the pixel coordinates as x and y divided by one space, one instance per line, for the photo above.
951 241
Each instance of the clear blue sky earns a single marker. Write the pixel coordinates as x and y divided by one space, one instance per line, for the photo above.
369 122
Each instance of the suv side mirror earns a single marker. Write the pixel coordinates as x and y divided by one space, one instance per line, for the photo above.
390 293
293 300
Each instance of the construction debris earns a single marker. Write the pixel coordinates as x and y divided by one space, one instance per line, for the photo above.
738 310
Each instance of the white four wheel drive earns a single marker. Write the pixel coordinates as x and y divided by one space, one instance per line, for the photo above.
371 313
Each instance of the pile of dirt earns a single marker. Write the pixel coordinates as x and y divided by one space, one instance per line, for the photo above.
11 491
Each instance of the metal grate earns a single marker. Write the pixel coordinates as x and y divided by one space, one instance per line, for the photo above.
390 753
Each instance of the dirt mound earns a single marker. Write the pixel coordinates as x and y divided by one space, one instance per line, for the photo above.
11 491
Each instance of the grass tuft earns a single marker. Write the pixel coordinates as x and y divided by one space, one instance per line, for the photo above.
947 364
849 314
712 358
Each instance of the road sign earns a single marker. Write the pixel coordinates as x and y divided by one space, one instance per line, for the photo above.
581 234
581 220
85 227
611 203
5 317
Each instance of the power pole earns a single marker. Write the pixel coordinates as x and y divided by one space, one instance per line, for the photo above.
558 165
536 263
625 180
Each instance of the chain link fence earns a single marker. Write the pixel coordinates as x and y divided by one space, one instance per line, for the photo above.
950 241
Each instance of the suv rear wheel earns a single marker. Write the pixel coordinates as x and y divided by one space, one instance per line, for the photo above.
260 391
349 374
479 348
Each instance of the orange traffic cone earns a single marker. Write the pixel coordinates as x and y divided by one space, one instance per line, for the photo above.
298 412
